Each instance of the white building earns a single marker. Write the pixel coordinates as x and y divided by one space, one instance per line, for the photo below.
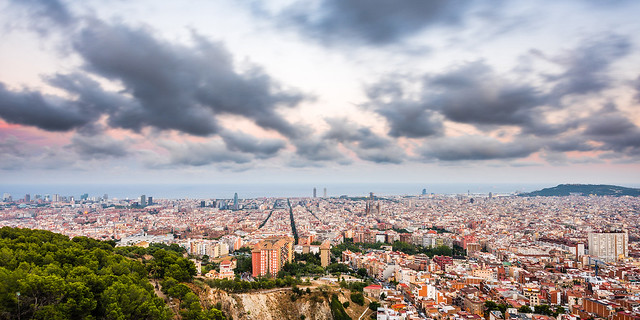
609 246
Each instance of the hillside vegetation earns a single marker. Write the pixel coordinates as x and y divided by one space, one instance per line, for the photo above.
585 190
44 275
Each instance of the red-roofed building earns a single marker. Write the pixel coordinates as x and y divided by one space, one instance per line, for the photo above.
372 291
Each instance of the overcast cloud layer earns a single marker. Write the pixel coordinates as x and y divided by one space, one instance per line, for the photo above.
307 88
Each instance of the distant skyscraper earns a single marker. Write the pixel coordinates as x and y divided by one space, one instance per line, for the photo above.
150 201
235 201
314 192
6 197
609 246
27 198
56 198
142 201
424 192
105 197
325 192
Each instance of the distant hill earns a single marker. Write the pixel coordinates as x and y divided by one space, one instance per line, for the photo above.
585 190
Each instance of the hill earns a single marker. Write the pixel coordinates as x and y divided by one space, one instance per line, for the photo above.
44 275
583 189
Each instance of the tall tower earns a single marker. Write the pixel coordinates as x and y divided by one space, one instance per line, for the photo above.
143 200
325 192
314 192
235 201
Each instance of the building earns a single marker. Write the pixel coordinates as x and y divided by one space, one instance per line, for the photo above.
609 246
150 201
325 192
143 200
325 254
314 192
269 255
235 201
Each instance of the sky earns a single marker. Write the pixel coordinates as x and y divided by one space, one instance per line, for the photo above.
327 91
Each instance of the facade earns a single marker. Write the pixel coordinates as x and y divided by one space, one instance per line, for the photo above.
325 254
269 255
609 246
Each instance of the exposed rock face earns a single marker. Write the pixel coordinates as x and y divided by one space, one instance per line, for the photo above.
270 306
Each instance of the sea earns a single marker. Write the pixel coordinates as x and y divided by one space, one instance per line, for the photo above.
261 190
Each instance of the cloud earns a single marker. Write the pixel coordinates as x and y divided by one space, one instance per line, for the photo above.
237 141
406 116
363 142
98 147
43 111
613 129
180 87
476 148
374 22
587 65
43 14
186 153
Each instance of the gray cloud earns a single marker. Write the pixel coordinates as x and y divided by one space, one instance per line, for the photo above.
45 112
98 147
587 65
185 153
477 148
237 141
405 116
179 87
43 14
614 130
363 142
375 22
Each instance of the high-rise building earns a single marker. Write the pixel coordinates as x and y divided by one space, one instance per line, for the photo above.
150 201
269 255
105 197
27 198
325 192
6 197
203 204
56 198
142 201
314 192
609 246
235 201
325 254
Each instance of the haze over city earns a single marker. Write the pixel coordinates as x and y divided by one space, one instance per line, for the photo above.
328 91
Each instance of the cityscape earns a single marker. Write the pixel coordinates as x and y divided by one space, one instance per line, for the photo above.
322 159
425 256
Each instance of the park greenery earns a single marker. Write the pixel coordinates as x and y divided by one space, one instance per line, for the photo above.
44 275
399 246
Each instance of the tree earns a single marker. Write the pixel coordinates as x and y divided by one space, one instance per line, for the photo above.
358 298
374 305
525 309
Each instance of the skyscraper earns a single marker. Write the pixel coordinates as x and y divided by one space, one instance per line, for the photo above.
235 201
142 201
314 192
150 201
609 246
27 198
325 192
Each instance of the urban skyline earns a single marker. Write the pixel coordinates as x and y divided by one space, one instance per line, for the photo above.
413 92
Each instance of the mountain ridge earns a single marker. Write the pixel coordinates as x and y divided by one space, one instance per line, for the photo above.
583 189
